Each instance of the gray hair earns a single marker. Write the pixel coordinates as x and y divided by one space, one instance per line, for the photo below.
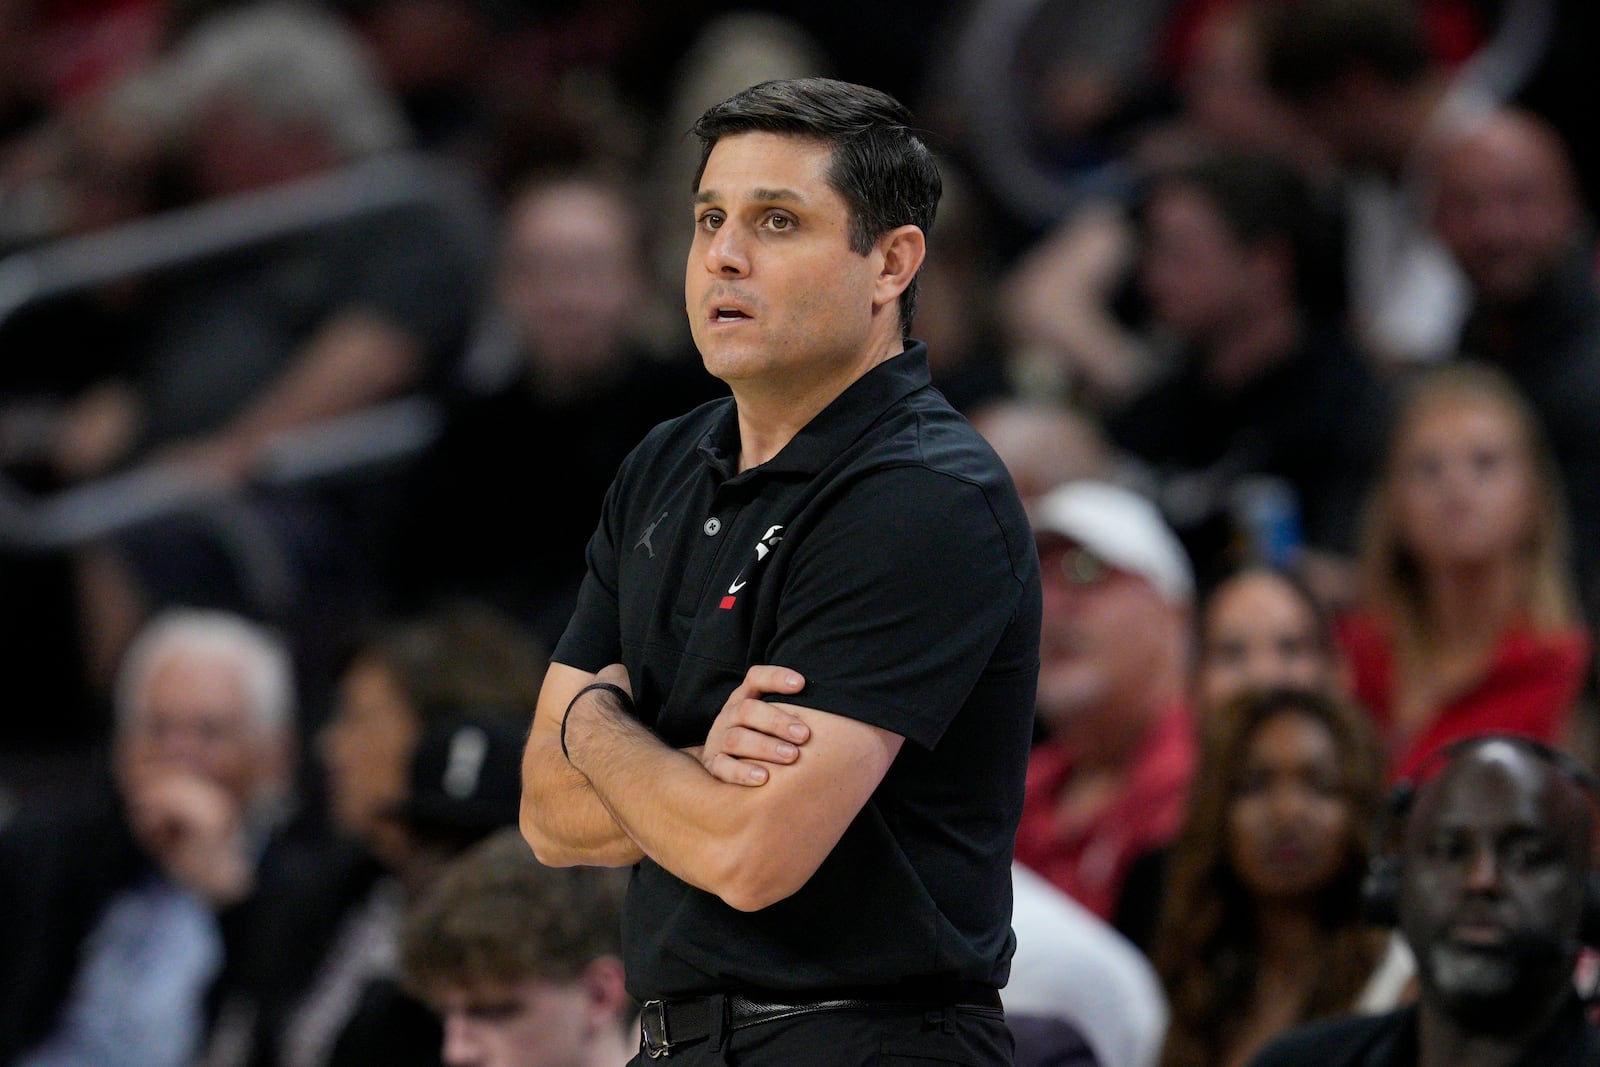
262 657
290 65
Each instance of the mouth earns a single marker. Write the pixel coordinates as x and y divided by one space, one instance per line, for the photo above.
724 314
1478 934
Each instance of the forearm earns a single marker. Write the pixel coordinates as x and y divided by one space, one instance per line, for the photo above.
700 829
353 361
561 817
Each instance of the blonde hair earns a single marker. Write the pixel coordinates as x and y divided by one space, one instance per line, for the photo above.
1391 578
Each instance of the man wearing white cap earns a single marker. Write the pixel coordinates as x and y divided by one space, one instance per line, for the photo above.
1110 780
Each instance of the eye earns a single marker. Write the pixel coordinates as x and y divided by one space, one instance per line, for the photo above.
780 222
710 220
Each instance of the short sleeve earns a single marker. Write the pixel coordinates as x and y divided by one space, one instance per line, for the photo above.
906 591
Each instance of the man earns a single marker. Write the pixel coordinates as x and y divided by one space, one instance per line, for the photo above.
572 302
833 870
1360 74
124 920
1267 389
1110 781
1494 892
1509 212
522 961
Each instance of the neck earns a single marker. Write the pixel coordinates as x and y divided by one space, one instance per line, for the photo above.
1471 605
1108 737
772 411
1257 342
1443 1042
1287 933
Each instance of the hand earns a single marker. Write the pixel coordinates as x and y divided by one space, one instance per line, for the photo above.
749 732
194 830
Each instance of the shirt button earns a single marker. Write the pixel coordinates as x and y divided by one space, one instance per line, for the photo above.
713 526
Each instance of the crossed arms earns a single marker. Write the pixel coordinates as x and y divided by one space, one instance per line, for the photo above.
768 773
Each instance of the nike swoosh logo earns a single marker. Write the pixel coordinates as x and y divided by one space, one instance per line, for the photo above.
736 586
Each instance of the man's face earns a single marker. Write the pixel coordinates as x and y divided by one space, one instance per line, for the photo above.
1504 210
1195 273
570 277
1104 631
531 1023
1492 886
194 717
773 291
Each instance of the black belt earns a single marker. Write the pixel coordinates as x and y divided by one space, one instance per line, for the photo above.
666 1024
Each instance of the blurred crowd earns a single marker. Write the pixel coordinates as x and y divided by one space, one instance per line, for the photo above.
324 325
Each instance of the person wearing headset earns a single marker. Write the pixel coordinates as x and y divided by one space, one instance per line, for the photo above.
1494 889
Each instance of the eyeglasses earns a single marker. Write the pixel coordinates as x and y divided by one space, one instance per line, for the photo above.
1080 567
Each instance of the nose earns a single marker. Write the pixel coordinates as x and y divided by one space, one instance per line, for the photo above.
1483 870
460 1048
1288 801
726 254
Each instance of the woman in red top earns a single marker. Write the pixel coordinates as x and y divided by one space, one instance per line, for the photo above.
1468 623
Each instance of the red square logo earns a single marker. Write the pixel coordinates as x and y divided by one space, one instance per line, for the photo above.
727 602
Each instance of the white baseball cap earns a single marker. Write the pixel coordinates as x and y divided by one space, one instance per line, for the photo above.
1120 527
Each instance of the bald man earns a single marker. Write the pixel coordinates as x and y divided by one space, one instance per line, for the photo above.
1507 208
1494 864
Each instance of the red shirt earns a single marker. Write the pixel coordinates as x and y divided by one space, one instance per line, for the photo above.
1529 689
1089 863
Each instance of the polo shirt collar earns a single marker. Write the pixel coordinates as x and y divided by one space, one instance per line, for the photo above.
836 426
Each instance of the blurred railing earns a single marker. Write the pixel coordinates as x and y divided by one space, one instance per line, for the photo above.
382 433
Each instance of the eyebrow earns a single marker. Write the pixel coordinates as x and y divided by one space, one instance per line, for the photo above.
759 196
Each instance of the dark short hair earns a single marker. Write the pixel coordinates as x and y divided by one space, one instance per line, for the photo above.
885 173
1261 199
1308 45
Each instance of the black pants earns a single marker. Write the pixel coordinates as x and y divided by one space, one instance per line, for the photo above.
857 1037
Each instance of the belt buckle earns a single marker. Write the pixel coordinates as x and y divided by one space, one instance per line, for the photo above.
653 1029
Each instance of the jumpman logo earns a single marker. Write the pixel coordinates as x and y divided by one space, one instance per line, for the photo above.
644 539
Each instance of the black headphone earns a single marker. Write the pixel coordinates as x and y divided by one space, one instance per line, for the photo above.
1380 890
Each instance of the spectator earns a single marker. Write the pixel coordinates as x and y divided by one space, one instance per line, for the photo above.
1043 445
1262 925
1509 212
125 921
522 961
1110 780
1259 628
464 783
1468 623
1265 386
248 348
1493 889
401 695
570 325
1361 76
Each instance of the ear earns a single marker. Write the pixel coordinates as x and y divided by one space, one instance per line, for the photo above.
604 995
903 249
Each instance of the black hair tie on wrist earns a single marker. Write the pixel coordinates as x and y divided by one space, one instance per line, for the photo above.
617 690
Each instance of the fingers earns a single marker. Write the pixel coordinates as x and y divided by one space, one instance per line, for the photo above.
767 679
735 771
743 743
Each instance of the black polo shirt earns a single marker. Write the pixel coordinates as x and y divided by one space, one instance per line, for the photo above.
885 556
